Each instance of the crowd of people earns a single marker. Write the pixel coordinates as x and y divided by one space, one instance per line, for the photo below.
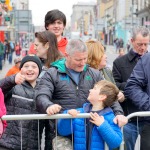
7 48
61 76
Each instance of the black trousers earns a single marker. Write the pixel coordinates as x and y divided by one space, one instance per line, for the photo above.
2 148
145 137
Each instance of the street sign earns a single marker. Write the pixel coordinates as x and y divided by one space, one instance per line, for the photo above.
147 23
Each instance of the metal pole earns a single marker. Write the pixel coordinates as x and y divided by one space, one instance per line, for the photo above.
42 116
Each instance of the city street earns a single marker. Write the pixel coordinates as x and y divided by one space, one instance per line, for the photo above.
111 54
6 67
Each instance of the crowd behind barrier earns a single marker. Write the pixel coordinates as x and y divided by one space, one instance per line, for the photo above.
67 116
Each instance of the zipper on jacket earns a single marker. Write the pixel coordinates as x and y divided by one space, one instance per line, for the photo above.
77 88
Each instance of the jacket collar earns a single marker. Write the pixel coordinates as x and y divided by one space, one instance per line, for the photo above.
87 108
61 66
132 55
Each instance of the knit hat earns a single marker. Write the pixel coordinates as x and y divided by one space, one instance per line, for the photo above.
32 58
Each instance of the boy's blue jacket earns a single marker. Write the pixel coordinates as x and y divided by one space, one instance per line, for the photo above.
107 132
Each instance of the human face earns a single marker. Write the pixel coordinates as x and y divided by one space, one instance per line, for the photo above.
76 61
30 70
140 44
121 53
57 27
103 62
94 95
41 50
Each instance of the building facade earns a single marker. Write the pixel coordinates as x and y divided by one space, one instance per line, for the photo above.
83 19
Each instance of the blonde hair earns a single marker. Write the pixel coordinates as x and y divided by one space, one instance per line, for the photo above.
95 53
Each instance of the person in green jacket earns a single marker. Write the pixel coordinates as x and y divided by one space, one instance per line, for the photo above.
98 59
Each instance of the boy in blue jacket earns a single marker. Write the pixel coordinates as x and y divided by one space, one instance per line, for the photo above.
92 133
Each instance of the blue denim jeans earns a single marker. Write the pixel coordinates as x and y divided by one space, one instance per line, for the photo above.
10 58
131 132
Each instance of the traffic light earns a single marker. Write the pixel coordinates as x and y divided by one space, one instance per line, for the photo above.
7 18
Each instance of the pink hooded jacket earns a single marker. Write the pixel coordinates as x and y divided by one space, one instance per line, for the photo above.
3 123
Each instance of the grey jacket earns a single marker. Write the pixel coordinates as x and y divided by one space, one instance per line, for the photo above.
58 87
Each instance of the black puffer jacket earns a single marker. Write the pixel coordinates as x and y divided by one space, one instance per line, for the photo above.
58 87
11 139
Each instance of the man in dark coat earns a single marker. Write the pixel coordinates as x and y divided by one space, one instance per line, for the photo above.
122 69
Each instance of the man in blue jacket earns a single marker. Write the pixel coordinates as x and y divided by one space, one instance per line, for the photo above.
122 69
137 92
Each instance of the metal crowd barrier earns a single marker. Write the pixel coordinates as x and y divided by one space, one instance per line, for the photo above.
60 116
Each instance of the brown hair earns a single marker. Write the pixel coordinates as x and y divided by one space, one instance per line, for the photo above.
110 90
53 53
95 53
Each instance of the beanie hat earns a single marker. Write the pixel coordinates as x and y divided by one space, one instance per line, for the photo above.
32 58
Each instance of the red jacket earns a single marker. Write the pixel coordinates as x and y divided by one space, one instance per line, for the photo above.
32 50
62 45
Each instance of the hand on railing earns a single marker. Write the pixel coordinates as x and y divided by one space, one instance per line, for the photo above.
121 120
73 112
53 109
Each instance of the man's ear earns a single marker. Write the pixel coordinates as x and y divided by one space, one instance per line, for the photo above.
132 40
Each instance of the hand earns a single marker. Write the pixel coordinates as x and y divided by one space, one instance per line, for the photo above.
96 119
53 109
121 97
121 120
73 112
19 78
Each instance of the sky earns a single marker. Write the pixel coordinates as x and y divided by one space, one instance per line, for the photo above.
41 7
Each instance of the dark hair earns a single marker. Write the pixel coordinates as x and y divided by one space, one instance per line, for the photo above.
54 15
53 53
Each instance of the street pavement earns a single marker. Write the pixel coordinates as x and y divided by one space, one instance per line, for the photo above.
6 67
111 54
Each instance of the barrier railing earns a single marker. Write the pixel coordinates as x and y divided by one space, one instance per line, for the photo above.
139 114
60 116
